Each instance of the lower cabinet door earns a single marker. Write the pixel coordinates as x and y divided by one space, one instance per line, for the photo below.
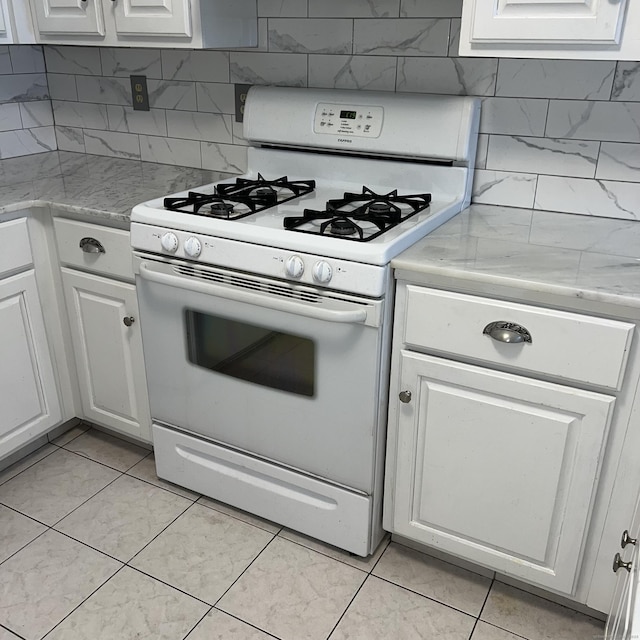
497 468
29 403
107 344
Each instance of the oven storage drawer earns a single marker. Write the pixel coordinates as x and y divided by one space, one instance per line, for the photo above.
106 251
325 511
564 345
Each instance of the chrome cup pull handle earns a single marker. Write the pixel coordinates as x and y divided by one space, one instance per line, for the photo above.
91 245
508 332
618 564
627 539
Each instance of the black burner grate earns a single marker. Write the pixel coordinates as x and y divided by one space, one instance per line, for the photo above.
359 216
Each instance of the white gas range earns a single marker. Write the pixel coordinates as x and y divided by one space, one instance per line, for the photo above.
265 301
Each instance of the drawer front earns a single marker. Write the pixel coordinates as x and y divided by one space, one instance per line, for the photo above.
565 345
114 260
16 248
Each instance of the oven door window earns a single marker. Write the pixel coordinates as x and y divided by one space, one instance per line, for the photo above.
252 353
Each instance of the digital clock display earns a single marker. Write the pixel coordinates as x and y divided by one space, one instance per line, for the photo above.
350 115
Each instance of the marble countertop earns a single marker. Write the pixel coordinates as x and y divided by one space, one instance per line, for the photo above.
593 259
92 186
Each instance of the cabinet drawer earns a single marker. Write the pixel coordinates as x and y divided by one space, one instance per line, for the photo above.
115 258
565 345
16 248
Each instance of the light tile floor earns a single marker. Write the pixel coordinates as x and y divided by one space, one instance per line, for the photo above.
94 546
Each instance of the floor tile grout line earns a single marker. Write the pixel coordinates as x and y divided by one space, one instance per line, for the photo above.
495 626
344 613
31 465
197 623
12 631
444 604
175 493
83 601
249 624
24 547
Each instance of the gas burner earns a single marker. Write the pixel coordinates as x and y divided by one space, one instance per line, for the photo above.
221 209
359 216
268 192
342 227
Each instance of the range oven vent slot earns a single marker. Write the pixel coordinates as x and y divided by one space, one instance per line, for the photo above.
240 282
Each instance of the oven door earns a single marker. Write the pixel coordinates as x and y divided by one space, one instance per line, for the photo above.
281 371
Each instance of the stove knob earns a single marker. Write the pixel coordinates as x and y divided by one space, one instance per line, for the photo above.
322 272
193 247
169 242
294 267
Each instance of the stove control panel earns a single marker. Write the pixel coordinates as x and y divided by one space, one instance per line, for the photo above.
169 242
348 120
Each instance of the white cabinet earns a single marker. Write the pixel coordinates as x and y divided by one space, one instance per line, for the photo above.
594 29
497 468
105 331
496 434
29 404
108 349
154 23
15 23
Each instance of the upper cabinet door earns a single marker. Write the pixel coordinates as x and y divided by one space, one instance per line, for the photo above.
545 21
153 17
72 17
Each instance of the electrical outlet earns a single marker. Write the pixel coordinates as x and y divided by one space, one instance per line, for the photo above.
139 93
241 97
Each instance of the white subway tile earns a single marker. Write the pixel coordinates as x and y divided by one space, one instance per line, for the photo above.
354 9
36 114
416 37
619 161
626 85
211 127
454 38
185 153
27 58
606 121
302 35
127 120
543 155
62 86
78 60
24 87
481 151
604 198
504 188
70 139
24 142
121 61
104 90
203 66
431 8
172 94
224 157
353 72
289 69
112 143
282 8
80 114
10 116
238 134
581 79
514 116
216 97
451 76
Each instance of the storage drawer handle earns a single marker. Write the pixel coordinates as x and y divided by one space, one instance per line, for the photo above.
91 245
508 332
618 564
627 539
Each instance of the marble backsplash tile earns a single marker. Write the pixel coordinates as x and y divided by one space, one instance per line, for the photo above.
557 134
26 117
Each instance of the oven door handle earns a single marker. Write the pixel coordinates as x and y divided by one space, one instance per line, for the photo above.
351 316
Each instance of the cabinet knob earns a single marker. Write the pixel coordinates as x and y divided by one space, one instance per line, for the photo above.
507 332
128 321
627 539
405 396
91 245
618 564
